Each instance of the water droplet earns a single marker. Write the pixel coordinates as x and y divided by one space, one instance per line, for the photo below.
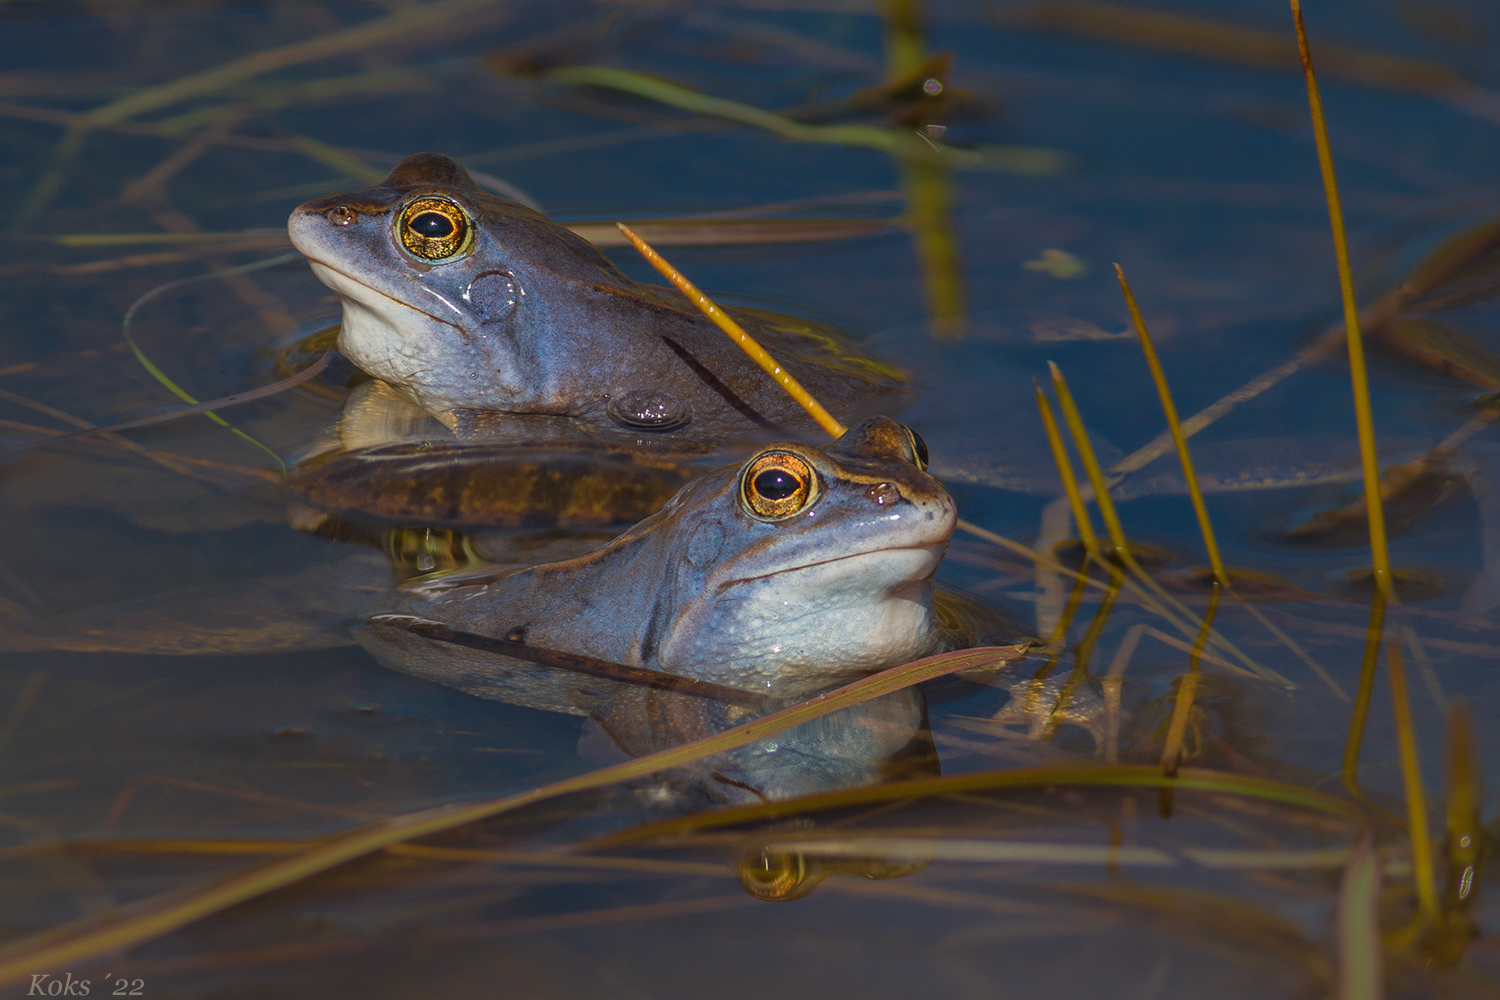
649 410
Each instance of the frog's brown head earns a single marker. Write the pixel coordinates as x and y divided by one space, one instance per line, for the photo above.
461 298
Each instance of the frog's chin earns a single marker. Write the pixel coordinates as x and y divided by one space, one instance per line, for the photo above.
424 354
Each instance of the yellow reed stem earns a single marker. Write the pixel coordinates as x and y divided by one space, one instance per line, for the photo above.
1363 417
1195 490
1187 689
1352 743
1069 480
1411 778
1116 531
1174 425
736 333
1091 467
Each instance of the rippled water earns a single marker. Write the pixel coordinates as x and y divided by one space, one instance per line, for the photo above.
1183 156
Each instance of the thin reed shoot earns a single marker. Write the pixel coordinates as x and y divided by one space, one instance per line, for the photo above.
1184 456
1069 478
1358 376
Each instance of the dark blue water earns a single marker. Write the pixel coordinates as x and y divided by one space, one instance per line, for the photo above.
1195 172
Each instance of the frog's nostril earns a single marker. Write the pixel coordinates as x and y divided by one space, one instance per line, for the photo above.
884 494
342 215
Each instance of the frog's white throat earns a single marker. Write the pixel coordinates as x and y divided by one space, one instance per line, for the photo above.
417 350
804 628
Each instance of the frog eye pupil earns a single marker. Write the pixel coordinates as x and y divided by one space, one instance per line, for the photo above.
777 484
432 225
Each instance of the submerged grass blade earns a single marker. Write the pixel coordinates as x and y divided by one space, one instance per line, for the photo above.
95 937
1362 695
1033 160
151 420
691 231
405 25
162 377
1466 833
1411 780
736 333
1361 963
1363 417
1010 779
928 187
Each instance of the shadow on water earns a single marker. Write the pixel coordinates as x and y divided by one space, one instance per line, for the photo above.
195 681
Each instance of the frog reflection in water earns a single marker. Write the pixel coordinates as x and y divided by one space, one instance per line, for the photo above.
504 326
802 568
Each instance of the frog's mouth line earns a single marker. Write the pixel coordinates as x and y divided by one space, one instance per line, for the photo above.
936 549
384 295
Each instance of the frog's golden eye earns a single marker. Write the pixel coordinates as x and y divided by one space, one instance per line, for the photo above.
918 448
777 485
435 230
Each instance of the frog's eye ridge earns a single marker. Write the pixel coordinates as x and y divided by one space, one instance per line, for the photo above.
918 448
777 485
435 230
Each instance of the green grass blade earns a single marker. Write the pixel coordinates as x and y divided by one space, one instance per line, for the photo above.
162 376
1033 160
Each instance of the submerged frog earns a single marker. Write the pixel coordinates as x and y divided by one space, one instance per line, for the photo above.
503 325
